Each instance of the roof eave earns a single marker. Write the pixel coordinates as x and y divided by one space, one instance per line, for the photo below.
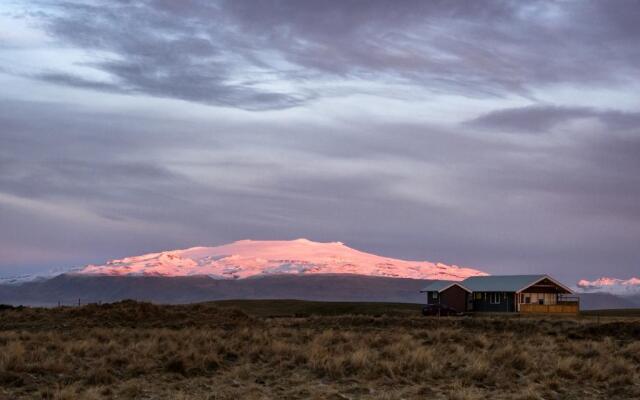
447 287
543 278
455 284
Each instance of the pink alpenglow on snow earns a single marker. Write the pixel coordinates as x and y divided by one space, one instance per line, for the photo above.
612 285
249 258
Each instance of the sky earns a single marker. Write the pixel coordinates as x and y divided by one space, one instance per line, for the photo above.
500 135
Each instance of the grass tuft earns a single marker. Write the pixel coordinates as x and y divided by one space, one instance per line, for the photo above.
132 350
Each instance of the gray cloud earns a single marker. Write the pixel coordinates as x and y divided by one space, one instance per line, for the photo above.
406 190
542 118
234 53
548 187
151 51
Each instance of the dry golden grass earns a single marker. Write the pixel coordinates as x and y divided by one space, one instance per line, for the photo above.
141 351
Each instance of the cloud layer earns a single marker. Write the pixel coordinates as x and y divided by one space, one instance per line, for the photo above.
272 54
500 135
629 286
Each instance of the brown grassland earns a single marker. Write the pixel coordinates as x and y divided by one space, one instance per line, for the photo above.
300 350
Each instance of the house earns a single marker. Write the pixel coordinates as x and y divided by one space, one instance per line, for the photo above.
449 293
504 293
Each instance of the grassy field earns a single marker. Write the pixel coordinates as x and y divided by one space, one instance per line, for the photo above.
625 312
299 350
300 308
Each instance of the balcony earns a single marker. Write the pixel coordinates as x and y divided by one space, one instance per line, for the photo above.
565 304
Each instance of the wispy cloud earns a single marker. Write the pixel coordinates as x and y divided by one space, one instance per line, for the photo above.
542 118
279 54
411 129
629 286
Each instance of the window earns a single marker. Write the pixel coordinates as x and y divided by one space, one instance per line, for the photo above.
495 298
527 300
435 295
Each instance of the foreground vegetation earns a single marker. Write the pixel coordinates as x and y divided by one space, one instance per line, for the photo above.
267 349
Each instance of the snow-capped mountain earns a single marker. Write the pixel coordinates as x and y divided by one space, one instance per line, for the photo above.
623 287
249 258
19 279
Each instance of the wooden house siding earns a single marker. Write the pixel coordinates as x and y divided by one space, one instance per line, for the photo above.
544 286
433 298
542 297
454 297
572 308
494 302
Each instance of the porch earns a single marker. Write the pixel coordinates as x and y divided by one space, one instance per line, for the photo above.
559 304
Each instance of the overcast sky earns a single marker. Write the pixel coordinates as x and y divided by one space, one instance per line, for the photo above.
501 135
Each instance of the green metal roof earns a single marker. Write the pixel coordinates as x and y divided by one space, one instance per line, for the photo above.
505 283
439 286
492 283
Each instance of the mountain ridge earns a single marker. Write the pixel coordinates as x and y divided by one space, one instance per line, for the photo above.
247 258
70 289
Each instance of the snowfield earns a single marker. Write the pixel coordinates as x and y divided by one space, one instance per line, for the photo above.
249 258
611 285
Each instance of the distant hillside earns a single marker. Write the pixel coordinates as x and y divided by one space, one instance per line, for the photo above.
68 288
93 288
601 301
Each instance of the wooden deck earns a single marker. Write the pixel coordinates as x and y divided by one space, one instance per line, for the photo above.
562 308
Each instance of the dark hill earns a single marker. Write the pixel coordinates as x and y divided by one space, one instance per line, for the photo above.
67 289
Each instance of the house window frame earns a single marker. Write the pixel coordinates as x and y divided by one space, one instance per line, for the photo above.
495 298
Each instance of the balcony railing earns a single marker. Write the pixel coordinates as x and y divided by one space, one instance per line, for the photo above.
559 308
568 299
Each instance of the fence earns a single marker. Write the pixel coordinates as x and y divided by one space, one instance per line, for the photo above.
562 308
